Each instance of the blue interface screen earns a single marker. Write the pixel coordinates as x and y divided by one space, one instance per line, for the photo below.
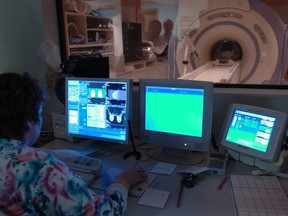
251 130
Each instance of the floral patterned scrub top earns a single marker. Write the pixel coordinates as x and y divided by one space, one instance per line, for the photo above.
33 182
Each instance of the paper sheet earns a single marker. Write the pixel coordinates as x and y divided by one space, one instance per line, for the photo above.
154 197
163 168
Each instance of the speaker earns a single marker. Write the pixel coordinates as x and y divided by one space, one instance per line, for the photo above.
60 88
87 66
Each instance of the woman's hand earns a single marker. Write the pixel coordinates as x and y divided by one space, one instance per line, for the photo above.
132 176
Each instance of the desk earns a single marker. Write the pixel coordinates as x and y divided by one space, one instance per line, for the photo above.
203 199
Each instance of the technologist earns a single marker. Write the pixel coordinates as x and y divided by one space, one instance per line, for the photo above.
171 49
168 28
33 182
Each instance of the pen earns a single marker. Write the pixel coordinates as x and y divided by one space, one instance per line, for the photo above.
180 195
222 183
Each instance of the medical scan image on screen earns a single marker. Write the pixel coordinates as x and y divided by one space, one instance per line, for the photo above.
251 130
97 108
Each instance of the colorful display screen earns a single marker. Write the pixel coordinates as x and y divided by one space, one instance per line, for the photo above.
98 108
251 130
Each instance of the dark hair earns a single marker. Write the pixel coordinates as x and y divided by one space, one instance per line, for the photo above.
20 99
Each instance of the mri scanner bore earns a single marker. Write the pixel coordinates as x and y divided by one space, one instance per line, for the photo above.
241 42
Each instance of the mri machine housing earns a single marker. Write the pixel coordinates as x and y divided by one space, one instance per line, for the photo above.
258 30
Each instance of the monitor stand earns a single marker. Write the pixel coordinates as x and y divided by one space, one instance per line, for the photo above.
176 156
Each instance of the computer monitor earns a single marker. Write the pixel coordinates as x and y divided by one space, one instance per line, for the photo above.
99 108
254 131
177 116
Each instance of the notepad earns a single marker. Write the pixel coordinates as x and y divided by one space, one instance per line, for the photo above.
154 197
163 168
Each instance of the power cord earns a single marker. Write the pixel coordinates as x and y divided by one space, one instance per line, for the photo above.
269 172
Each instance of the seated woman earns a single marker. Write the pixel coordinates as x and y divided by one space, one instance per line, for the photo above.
33 182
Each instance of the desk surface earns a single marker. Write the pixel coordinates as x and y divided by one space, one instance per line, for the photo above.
203 199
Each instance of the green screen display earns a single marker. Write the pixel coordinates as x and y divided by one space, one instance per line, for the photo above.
174 110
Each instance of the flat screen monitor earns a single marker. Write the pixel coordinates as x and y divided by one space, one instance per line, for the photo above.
177 116
99 108
254 131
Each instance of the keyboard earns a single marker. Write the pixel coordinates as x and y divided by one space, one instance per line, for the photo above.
258 195
83 167
88 178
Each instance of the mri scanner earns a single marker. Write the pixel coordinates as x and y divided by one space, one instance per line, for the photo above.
211 51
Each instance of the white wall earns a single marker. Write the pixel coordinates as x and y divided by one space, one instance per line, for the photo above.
24 26
21 33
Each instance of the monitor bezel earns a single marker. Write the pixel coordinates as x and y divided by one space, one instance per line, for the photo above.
175 141
278 134
129 108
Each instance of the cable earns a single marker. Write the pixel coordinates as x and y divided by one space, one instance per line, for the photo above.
134 151
263 172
